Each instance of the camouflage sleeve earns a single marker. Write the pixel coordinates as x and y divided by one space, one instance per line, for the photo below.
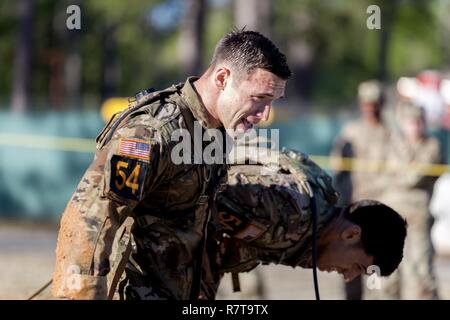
264 234
416 176
127 168
267 217
258 225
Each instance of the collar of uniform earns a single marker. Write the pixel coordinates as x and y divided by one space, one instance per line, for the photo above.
197 107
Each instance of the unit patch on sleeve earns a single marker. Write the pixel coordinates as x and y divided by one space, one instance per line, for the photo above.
127 177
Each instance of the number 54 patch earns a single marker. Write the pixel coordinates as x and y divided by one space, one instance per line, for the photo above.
127 177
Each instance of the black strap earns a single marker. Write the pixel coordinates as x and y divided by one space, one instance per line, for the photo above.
188 117
140 101
314 246
235 282
40 290
119 271
186 112
122 264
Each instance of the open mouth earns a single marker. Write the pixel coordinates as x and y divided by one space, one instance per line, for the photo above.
247 125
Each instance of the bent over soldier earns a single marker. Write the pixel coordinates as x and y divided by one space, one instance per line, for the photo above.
264 215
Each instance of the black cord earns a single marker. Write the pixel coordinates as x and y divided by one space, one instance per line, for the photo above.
314 246
40 290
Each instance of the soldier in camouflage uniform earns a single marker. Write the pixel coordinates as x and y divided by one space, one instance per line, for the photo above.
409 192
133 175
264 216
365 139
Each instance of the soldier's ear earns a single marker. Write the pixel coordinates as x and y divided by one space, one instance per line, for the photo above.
221 77
351 234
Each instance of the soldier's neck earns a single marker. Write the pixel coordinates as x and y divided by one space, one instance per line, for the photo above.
207 97
372 120
332 230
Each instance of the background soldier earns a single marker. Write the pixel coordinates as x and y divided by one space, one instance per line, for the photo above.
133 175
264 216
409 193
365 139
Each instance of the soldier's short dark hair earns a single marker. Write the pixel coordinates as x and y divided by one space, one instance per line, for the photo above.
248 50
383 232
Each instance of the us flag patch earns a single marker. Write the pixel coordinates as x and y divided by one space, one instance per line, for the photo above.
251 232
134 148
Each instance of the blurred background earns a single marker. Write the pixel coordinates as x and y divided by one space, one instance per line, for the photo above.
61 78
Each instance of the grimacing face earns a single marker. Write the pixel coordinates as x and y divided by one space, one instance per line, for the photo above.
346 256
246 100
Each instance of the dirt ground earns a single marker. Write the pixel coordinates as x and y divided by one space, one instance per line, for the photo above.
27 260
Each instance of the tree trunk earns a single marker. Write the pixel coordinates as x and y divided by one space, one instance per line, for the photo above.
254 15
22 64
110 69
72 67
191 37
302 53
56 56
387 20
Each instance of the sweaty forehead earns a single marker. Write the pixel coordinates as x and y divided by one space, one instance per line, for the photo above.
263 81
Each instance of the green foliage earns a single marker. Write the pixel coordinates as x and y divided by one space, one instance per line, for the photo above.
414 40
8 31
346 52
342 50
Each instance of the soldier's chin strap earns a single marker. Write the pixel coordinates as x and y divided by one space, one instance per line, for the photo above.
314 245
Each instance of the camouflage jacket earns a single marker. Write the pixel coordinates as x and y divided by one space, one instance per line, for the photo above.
409 192
264 216
132 175
369 145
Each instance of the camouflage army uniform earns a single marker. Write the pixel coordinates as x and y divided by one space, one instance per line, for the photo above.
409 194
132 175
369 144
264 216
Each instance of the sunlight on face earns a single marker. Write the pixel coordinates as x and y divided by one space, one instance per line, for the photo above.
245 101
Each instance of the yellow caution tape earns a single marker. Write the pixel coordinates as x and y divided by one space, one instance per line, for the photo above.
367 165
330 163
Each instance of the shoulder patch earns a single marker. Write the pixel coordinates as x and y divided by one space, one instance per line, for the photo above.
134 148
251 232
127 177
237 225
